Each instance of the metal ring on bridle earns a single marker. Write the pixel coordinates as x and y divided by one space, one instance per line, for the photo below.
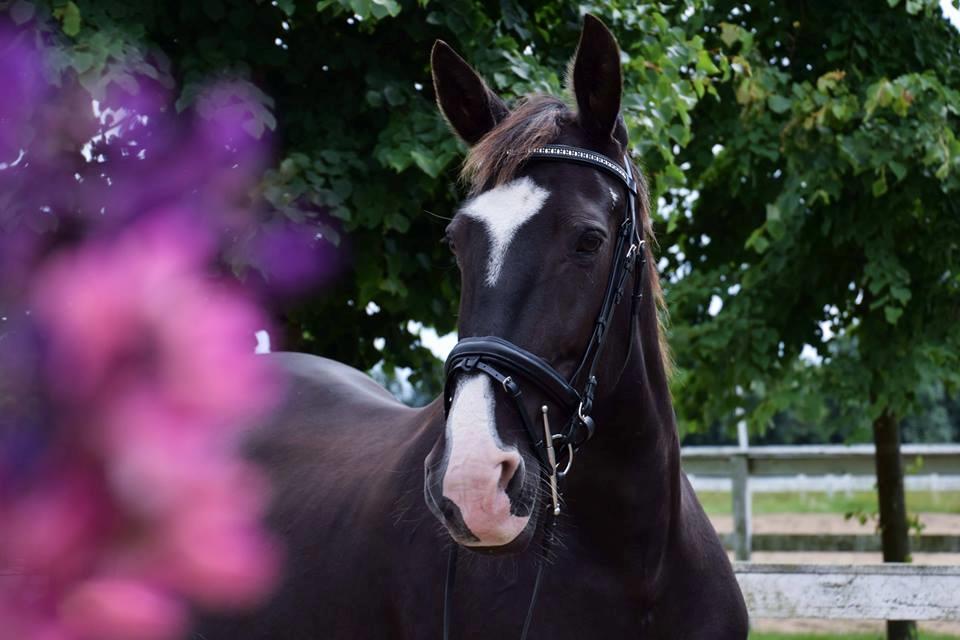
566 469
506 381
580 412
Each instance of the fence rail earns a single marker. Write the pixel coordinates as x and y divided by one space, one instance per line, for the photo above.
851 592
742 463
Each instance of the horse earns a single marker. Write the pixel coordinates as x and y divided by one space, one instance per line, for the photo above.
542 495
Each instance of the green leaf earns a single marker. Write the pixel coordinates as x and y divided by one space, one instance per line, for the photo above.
901 294
394 96
757 241
82 61
897 169
778 103
398 222
390 7
730 33
776 228
879 186
773 212
892 314
71 19
427 163
830 81
705 64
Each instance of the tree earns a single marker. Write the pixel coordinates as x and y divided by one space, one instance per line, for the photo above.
827 221
362 158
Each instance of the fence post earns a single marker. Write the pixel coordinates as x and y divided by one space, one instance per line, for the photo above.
740 468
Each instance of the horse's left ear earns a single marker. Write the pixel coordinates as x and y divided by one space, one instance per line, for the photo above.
597 81
470 107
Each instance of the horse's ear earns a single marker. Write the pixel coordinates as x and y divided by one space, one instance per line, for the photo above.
470 107
597 82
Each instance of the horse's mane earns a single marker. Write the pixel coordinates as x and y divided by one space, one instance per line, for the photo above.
536 121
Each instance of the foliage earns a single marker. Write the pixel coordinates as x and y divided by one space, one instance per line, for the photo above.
362 156
802 158
826 217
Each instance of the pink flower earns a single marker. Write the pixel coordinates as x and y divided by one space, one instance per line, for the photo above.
122 609
53 529
151 368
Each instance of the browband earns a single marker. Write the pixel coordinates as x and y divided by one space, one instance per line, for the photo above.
584 156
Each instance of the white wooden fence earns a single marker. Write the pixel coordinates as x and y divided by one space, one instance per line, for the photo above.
742 463
852 592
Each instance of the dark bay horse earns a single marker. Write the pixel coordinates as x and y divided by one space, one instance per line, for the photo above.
370 495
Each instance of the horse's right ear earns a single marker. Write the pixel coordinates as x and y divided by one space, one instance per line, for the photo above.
470 107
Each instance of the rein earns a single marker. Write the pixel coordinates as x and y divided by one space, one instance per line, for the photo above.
510 365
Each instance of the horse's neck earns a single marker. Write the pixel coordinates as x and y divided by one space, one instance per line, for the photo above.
625 487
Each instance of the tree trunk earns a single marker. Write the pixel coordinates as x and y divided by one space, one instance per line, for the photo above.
894 533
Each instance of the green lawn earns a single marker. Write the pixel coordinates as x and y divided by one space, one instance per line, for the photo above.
857 636
718 502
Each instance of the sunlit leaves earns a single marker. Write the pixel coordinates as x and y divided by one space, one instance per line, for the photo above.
375 9
69 15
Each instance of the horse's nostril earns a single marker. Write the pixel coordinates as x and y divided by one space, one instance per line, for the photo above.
508 469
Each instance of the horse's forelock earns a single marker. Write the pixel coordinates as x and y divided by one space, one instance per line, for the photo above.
495 159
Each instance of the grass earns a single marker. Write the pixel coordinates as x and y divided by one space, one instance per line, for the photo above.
854 636
718 502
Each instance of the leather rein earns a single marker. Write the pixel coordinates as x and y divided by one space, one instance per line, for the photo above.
511 366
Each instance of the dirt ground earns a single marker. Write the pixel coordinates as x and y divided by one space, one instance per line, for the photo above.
937 523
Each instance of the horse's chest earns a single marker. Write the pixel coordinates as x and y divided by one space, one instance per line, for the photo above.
574 602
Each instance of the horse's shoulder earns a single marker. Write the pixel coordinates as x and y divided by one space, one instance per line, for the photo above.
322 380
330 417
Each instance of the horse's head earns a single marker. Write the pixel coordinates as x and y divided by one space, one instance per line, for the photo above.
535 243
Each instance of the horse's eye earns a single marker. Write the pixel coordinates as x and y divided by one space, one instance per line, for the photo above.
589 243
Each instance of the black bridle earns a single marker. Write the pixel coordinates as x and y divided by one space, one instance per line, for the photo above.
511 366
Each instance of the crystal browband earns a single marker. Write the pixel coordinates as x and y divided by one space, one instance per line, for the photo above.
572 153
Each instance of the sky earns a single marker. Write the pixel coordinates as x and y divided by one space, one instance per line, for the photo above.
952 14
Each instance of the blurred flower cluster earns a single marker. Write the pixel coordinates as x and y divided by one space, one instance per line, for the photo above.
127 372
128 497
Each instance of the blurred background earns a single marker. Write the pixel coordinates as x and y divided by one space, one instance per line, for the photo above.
184 183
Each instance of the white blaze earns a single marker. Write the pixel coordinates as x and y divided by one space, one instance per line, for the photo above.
503 210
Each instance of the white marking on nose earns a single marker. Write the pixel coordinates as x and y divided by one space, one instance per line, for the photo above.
470 426
503 210
480 465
